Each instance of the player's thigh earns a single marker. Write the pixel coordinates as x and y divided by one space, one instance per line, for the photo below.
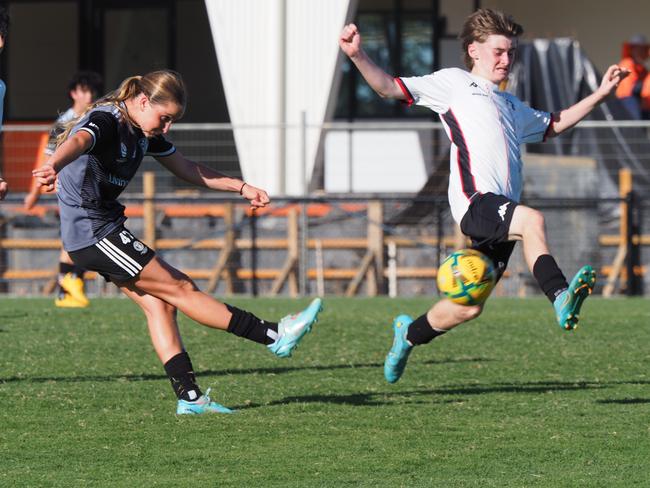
161 279
523 219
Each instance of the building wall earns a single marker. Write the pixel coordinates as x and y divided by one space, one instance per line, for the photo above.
599 25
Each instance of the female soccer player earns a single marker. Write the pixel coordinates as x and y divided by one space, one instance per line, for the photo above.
97 156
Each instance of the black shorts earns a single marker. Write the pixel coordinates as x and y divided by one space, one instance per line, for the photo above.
487 224
118 257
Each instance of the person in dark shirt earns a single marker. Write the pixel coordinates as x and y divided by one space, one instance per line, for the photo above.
97 156
83 89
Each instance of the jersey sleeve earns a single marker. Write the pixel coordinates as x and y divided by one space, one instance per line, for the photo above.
103 127
432 91
159 146
532 125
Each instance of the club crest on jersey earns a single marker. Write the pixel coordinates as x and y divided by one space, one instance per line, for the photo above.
123 150
144 144
138 246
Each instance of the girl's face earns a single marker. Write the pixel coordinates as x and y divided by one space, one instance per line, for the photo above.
155 118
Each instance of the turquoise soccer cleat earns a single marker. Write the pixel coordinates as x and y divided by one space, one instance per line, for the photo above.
292 328
201 406
399 353
567 304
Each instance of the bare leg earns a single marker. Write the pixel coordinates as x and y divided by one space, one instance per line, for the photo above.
161 321
175 288
528 226
445 314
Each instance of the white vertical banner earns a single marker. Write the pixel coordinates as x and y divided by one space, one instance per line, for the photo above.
249 36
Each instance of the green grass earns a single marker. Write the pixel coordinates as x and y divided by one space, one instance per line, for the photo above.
508 400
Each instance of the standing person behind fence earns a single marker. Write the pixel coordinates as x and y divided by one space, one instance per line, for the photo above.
83 88
486 127
97 157
634 91
4 29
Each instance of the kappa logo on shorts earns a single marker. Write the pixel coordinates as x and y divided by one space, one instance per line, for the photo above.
502 211
138 246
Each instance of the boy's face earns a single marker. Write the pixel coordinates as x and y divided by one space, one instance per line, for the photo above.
493 58
82 96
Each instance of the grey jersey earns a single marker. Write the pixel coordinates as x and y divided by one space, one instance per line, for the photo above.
88 187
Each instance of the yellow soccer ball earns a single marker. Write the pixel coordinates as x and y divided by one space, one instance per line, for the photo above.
467 277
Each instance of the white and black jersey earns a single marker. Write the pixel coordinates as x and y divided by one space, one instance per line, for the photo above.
88 187
486 128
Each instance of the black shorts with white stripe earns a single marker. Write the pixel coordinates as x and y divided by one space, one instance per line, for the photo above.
118 257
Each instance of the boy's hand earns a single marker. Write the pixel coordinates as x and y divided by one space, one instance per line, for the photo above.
612 77
350 40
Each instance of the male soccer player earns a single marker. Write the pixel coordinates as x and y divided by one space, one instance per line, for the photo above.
486 127
83 89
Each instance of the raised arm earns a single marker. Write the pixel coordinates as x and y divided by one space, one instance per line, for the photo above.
200 175
569 117
380 81
67 152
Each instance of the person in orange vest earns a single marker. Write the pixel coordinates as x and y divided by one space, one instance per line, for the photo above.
634 91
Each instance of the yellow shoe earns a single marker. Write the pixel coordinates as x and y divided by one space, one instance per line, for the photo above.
74 287
68 301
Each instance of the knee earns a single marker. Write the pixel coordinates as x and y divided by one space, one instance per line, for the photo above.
157 308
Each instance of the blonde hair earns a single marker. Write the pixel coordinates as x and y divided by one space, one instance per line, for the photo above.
483 23
160 87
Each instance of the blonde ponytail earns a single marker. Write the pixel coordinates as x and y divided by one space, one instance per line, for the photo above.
159 86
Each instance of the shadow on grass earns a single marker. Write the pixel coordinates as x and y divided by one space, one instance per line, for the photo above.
433 395
624 401
219 372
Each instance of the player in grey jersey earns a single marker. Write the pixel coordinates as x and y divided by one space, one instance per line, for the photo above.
83 89
96 159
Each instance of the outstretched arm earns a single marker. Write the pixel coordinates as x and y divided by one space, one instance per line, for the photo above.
569 117
200 175
380 81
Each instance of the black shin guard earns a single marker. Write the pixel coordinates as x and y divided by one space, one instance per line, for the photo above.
420 331
549 276
245 324
181 374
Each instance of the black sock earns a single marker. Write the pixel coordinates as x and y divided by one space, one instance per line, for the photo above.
65 268
420 331
548 275
78 271
181 374
245 324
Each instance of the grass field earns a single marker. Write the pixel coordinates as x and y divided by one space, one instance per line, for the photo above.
509 400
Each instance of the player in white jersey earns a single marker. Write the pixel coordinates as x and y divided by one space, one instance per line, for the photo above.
4 28
486 127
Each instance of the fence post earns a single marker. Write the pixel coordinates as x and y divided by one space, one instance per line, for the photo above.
376 246
149 208
633 241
